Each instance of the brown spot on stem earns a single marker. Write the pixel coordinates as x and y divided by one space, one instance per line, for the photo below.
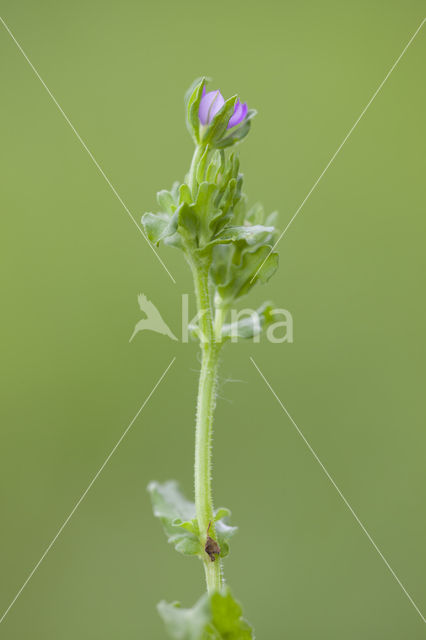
211 547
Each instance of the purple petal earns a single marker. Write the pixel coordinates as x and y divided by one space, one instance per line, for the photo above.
239 114
234 119
210 104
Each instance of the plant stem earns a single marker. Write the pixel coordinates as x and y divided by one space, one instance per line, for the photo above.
219 319
204 423
202 476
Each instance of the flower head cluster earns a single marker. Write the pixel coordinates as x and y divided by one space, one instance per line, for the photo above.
206 216
214 121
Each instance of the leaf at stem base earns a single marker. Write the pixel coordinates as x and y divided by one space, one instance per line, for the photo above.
216 616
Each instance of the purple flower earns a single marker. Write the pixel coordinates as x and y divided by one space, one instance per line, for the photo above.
212 102
239 114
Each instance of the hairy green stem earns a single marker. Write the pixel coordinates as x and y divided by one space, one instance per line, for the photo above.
206 400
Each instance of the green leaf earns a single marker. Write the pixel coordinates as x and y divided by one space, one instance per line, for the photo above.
256 214
177 515
185 194
271 219
214 167
189 222
159 226
223 534
250 234
155 225
206 210
220 513
250 326
268 268
204 199
186 624
166 201
239 211
229 195
227 617
237 270
201 169
217 616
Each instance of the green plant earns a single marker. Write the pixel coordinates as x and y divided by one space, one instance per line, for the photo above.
228 248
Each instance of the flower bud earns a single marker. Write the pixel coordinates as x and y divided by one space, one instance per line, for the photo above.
214 121
212 102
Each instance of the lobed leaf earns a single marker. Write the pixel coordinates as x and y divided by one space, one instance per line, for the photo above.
166 201
252 325
217 616
154 225
186 624
250 234
177 515
236 269
189 222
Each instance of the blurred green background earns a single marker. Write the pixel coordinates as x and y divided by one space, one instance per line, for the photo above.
352 273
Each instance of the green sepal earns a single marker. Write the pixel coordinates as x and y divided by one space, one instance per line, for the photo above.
213 132
238 133
192 101
216 616
250 326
